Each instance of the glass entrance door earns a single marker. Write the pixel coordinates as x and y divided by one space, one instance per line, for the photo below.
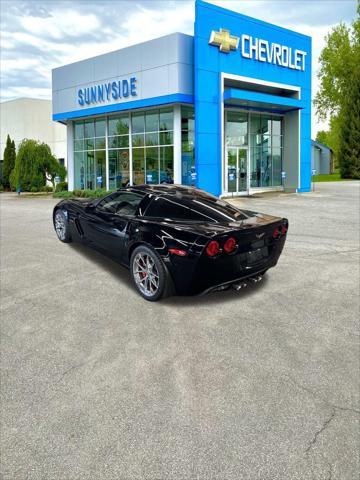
236 171
231 170
243 170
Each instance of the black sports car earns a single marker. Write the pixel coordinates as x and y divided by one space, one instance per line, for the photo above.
175 239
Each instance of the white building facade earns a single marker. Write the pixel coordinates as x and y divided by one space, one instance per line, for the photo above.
31 118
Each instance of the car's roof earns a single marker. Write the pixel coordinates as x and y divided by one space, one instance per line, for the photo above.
169 190
164 188
197 201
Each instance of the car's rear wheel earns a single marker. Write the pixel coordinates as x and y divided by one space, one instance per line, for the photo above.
149 274
61 226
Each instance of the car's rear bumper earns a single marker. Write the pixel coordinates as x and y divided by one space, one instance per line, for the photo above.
224 285
207 274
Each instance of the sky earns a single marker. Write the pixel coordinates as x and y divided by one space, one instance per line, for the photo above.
37 35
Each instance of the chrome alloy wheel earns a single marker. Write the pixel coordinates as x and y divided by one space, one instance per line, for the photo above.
146 274
60 225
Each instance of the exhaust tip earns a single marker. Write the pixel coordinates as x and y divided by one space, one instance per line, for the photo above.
256 279
239 286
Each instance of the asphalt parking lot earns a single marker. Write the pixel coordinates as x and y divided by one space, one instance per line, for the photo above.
263 383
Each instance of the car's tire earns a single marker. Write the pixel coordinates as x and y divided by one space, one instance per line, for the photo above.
61 226
149 274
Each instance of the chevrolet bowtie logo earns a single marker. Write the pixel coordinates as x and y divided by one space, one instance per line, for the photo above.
224 40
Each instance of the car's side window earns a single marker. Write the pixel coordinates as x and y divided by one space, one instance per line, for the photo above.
121 203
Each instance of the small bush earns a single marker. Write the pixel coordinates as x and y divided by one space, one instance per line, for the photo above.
61 187
79 193
101 192
34 189
64 194
1 187
83 193
47 188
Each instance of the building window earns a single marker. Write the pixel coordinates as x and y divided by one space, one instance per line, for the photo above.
119 154
152 149
89 154
152 137
188 173
236 128
119 131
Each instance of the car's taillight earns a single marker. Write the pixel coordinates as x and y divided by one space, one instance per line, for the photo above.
277 232
213 248
179 253
229 245
280 230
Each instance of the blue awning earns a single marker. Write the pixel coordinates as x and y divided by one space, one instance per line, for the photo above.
251 99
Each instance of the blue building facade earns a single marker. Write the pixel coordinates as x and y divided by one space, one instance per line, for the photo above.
228 110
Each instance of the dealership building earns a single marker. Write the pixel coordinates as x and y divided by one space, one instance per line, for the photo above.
227 110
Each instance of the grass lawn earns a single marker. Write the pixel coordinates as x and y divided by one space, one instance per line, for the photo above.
334 177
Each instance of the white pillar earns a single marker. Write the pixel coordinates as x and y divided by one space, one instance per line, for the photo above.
177 144
70 155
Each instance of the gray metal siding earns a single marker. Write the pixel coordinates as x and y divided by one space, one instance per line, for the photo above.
320 158
163 66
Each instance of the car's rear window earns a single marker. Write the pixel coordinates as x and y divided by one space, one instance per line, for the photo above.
169 208
200 208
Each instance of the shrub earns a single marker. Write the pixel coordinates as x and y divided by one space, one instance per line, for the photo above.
79 193
101 192
47 188
61 187
63 194
34 189
1 187
83 193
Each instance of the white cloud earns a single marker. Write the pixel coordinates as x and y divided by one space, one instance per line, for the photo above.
13 64
155 23
62 22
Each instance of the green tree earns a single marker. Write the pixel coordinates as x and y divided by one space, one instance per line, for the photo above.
9 161
349 137
34 165
27 173
336 61
49 164
322 137
339 62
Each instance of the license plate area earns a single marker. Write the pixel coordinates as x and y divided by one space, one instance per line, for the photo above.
255 256
258 244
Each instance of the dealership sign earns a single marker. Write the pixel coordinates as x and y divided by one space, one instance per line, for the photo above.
106 92
259 49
